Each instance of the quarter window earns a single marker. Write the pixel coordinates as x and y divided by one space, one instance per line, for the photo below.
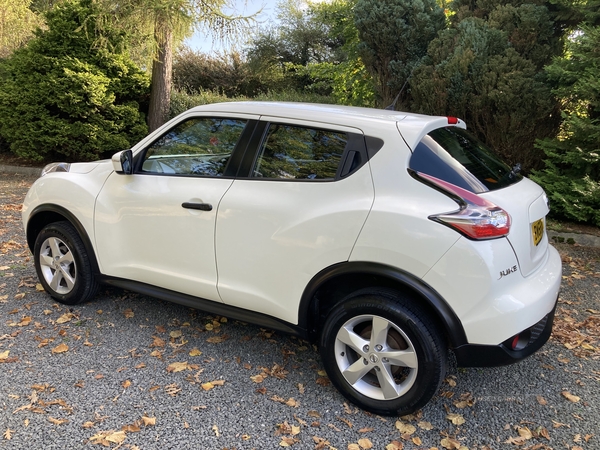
198 146
292 152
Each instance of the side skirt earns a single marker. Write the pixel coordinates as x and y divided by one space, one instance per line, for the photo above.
208 306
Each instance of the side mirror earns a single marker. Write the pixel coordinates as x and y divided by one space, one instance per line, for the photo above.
123 162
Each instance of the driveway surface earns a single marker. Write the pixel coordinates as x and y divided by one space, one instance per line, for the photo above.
132 372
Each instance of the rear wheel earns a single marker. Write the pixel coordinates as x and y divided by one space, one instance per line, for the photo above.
62 264
382 352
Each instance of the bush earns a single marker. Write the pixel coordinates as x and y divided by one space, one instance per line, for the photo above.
66 97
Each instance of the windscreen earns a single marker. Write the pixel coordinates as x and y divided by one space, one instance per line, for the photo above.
455 156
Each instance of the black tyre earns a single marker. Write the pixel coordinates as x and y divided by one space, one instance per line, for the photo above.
62 264
382 352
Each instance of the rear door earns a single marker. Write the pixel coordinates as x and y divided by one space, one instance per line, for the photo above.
297 209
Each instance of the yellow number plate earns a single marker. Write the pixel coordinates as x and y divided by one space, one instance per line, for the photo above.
537 229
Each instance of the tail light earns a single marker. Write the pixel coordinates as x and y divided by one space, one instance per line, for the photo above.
476 217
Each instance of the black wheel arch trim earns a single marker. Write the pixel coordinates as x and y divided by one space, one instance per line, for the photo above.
68 216
452 325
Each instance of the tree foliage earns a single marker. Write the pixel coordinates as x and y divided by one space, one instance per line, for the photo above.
161 24
313 50
64 97
487 68
228 74
572 165
17 23
394 36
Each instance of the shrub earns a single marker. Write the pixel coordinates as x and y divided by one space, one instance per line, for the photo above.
64 96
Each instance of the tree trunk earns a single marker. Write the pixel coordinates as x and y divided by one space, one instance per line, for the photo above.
162 74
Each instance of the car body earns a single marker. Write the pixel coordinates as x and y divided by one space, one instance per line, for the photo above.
387 237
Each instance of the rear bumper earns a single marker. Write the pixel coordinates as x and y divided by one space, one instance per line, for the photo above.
477 355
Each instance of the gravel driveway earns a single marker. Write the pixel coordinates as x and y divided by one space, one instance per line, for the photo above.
132 372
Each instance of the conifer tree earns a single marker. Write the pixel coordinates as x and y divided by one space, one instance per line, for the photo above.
572 166
65 97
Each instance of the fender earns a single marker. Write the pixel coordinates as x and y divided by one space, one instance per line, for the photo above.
48 213
391 276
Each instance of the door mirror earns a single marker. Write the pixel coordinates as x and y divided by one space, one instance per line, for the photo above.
123 162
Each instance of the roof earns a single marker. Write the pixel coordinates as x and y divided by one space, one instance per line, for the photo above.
412 126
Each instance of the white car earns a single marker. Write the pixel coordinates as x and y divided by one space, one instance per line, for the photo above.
387 237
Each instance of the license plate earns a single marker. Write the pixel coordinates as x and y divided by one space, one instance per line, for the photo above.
537 229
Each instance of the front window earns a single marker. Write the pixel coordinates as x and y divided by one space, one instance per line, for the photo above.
455 156
198 146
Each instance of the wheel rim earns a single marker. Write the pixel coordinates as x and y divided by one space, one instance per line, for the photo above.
376 357
58 265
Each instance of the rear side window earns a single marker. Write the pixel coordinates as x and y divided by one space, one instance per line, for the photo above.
292 152
455 156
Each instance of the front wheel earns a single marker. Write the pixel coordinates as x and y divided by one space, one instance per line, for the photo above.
62 264
382 352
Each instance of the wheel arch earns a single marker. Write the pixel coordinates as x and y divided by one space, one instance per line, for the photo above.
332 284
45 214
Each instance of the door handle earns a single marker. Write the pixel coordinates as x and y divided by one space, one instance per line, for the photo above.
200 206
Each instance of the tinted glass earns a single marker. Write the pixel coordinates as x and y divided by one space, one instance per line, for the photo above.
199 146
300 153
453 155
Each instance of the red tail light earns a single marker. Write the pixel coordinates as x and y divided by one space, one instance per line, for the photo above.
476 218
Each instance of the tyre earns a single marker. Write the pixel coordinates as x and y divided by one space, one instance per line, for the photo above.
382 352
62 264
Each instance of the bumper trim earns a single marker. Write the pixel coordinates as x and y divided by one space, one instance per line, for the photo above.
477 355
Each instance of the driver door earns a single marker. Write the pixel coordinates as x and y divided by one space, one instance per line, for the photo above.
157 226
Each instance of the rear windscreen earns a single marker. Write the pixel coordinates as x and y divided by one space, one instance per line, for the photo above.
453 155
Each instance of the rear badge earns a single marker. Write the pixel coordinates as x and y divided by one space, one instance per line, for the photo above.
507 272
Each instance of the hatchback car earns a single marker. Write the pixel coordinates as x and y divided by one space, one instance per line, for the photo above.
388 238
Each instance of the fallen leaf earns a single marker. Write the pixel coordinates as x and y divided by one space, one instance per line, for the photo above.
395 445
4 355
365 443
39 287
8 434
177 367
65 318
570 397
195 352
207 386
416 440
292 402
57 421
405 428
149 421
157 342
525 433
88 425
258 378
60 348
541 400
217 339
175 334
456 419
450 444
117 437
128 313
126 384
425 426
